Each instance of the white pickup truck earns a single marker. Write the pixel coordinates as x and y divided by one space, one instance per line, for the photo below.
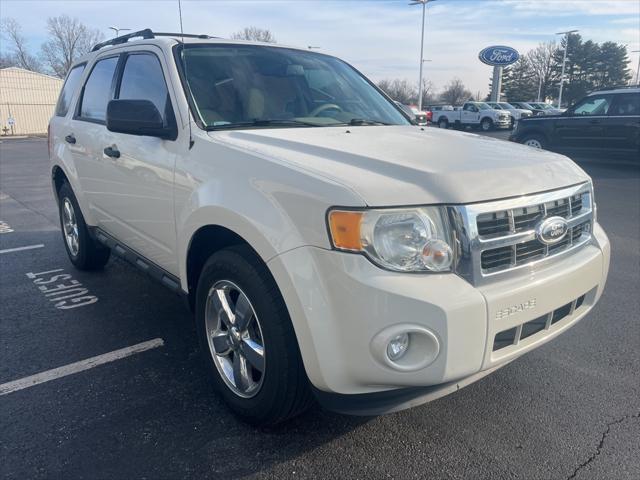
473 114
329 249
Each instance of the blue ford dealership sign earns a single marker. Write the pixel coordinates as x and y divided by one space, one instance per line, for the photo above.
498 56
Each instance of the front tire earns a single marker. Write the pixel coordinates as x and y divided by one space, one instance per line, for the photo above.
83 251
247 339
486 125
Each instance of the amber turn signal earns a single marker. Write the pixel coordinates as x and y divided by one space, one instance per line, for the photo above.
345 229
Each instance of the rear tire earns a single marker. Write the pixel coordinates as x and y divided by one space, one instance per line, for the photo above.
84 252
443 123
272 387
535 141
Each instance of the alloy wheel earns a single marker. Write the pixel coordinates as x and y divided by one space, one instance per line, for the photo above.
235 338
533 142
70 227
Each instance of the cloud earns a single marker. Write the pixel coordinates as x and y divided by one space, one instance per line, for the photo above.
380 38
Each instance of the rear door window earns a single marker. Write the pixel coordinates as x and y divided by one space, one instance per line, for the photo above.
70 85
142 79
97 90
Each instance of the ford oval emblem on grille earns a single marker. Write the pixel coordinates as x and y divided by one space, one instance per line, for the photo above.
551 230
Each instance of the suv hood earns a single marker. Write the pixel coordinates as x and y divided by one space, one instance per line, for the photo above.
407 165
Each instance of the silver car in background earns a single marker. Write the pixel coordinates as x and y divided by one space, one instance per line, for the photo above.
516 113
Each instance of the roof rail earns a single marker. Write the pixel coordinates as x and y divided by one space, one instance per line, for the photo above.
146 33
614 87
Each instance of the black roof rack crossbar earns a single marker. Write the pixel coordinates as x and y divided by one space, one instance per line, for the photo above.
146 33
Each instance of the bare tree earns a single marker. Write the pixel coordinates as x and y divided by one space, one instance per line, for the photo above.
402 91
428 92
19 56
68 40
455 92
254 34
7 61
543 65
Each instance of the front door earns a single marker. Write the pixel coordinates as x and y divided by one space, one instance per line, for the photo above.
583 126
470 114
139 208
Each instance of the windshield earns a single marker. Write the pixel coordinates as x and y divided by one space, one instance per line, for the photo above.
483 106
544 106
495 106
240 86
506 106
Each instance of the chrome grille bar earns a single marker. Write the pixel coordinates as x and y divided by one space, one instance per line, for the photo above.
500 236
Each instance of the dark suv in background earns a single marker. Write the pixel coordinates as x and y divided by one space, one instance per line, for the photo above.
603 120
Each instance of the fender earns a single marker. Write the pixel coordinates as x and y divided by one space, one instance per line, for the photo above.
70 172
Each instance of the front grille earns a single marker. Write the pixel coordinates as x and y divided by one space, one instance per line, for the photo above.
514 335
495 224
526 252
520 220
501 235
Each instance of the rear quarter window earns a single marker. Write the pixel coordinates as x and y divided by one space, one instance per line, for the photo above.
626 104
69 88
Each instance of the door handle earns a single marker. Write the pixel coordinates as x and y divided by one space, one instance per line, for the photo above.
70 139
594 121
112 152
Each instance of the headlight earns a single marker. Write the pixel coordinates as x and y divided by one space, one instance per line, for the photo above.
403 240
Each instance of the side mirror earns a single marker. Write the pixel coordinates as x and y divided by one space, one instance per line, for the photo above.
138 117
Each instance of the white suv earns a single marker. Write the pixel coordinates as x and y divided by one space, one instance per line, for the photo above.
329 249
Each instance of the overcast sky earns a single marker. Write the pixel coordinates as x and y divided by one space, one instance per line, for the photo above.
379 37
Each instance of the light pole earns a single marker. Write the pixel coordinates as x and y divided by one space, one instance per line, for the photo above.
424 9
637 69
564 61
117 30
539 89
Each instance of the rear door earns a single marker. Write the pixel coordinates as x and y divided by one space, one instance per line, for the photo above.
61 137
584 126
88 133
138 208
623 124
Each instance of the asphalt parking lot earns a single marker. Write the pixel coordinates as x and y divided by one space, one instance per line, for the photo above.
570 409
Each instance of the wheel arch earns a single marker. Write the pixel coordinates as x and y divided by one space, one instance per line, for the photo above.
61 173
211 238
204 242
58 178
533 132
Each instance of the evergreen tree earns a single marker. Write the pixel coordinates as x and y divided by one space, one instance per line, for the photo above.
589 66
518 81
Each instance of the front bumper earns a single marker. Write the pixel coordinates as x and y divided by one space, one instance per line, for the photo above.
503 122
341 303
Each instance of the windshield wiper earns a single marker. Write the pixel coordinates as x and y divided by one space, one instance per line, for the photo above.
363 121
266 122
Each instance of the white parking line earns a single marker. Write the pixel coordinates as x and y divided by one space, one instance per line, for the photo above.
18 249
77 367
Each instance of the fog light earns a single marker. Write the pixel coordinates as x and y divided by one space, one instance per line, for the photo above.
437 255
398 346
